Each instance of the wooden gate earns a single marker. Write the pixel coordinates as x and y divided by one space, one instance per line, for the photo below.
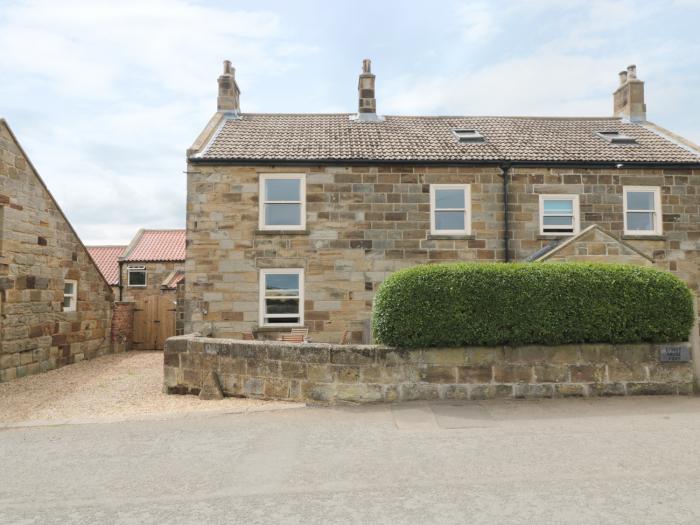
154 321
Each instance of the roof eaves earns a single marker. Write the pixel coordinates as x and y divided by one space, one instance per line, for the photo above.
448 162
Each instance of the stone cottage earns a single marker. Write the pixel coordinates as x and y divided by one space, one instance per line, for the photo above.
295 219
55 306
149 271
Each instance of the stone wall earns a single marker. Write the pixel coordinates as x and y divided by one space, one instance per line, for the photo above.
156 273
39 251
362 373
366 222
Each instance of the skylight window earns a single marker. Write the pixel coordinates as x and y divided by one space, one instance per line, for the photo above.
468 136
615 137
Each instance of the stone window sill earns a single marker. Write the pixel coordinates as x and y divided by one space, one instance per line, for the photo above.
268 329
644 237
281 232
434 237
554 236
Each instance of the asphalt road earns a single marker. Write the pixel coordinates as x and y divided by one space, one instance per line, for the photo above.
568 461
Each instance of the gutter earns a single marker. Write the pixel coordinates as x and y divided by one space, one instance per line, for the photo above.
495 162
505 168
121 286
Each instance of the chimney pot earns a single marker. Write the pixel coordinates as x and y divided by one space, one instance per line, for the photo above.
229 94
632 71
623 76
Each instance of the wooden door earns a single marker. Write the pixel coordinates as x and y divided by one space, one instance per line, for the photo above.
154 321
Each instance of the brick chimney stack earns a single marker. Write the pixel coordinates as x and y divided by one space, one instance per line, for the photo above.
628 99
228 99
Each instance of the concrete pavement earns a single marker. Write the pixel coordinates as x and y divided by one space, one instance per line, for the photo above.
630 460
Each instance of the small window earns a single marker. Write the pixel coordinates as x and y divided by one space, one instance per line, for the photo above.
282 297
70 295
615 137
642 209
468 136
283 202
450 209
136 276
559 214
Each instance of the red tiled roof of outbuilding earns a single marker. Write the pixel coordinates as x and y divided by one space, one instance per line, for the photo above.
107 260
156 245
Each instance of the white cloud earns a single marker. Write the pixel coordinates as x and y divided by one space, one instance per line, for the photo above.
108 95
476 21
543 84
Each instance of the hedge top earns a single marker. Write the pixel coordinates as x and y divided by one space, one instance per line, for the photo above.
490 304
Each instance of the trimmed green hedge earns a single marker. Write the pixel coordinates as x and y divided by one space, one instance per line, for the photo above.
535 303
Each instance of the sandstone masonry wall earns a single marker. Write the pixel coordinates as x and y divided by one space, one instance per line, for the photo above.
362 373
38 251
156 272
366 222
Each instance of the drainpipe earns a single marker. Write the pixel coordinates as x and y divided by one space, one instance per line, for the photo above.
120 280
505 168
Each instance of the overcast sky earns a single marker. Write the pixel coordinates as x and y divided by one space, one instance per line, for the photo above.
106 97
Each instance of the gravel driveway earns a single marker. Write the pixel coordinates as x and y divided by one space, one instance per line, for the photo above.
108 388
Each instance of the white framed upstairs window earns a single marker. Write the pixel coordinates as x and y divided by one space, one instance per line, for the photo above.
136 276
70 295
282 201
559 215
282 297
450 209
642 210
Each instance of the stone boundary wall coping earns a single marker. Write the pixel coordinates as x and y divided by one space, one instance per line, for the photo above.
328 373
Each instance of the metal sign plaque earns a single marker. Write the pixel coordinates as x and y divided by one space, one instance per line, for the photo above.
674 354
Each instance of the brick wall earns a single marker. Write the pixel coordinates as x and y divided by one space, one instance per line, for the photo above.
331 373
122 326
363 223
39 251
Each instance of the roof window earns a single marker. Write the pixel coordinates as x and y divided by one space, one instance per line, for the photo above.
468 136
615 137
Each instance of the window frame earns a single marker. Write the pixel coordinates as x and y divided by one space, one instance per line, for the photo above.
74 296
576 213
657 213
262 314
132 269
263 201
467 189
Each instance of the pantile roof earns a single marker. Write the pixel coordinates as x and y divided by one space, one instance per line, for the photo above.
337 137
156 245
107 260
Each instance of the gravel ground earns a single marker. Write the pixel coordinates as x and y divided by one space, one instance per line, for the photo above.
108 388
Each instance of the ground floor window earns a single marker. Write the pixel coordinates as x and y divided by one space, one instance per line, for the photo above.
70 295
282 297
136 276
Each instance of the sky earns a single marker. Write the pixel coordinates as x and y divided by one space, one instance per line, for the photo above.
105 97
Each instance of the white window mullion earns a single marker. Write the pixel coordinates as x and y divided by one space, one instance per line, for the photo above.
297 318
265 201
572 214
631 214
456 189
